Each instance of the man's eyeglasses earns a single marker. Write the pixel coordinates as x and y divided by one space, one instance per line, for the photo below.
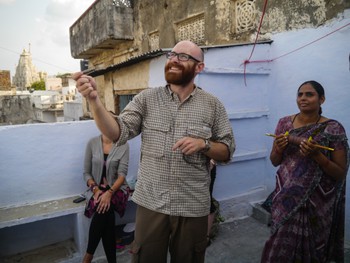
180 56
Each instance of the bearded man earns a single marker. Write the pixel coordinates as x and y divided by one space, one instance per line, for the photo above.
182 128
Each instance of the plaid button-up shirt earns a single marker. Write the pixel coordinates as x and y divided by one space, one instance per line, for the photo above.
168 181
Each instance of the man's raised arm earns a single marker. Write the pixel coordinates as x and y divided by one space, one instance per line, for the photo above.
108 126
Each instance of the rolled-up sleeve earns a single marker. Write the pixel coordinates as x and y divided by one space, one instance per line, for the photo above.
130 119
222 129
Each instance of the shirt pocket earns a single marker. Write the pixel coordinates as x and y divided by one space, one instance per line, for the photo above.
202 131
199 131
154 138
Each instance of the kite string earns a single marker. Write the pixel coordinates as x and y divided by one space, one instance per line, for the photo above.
286 54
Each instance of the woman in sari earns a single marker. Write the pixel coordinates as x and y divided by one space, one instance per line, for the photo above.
308 203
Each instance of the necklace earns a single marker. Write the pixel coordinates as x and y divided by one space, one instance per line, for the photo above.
319 117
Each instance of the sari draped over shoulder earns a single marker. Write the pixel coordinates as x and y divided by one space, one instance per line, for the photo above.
307 205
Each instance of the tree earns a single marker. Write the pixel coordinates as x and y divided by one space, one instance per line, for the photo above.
38 85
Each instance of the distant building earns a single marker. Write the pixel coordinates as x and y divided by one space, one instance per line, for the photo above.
5 80
57 103
52 83
72 108
48 106
26 73
67 80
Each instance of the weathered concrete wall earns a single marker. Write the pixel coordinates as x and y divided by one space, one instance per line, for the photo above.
113 23
291 15
225 22
132 78
16 110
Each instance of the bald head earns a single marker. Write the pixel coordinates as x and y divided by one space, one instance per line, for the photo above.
190 48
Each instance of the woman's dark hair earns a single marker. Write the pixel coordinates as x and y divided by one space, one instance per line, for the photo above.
318 87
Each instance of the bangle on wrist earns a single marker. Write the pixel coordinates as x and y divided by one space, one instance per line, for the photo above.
111 190
92 186
95 189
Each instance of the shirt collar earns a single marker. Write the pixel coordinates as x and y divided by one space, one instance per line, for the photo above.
171 93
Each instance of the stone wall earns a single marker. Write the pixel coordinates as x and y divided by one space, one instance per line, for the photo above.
16 110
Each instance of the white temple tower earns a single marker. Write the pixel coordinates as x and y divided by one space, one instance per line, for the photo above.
26 73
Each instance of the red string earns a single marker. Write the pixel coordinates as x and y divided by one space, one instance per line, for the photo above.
256 39
288 53
259 28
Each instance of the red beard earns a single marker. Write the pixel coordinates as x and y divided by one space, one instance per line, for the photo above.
182 77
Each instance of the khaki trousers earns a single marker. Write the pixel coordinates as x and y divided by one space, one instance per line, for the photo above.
155 233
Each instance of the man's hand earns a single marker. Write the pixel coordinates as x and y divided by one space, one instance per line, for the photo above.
86 85
189 145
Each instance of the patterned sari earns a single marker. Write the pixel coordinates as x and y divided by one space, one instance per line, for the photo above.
307 206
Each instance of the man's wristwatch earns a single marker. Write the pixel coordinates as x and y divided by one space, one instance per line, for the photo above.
207 146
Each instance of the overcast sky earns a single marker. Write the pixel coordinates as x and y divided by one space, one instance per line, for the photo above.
45 25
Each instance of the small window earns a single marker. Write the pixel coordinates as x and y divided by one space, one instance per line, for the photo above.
123 100
192 28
